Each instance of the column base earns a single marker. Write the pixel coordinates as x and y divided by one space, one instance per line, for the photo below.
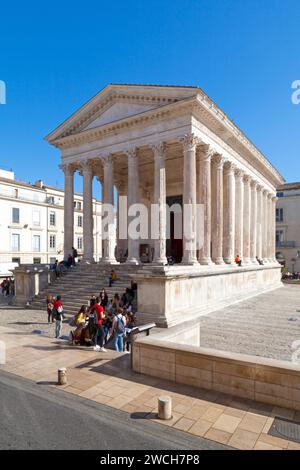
159 262
219 261
206 261
132 261
229 261
190 262
109 261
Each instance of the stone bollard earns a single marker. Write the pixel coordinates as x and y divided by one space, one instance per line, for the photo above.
62 376
165 408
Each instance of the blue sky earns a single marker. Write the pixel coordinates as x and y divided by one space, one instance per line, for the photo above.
55 56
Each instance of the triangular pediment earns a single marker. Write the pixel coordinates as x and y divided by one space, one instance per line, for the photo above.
119 110
116 102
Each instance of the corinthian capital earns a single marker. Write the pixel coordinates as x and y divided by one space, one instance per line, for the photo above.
189 142
85 166
229 167
67 168
218 160
107 160
159 149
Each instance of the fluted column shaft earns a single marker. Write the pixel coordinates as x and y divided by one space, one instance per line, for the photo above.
108 212
160 201
205 200
247 221
189 143
133 198
274 200
68 209
229 213
270 229
88 224
265 227
239 213
217 226
253 222
259 222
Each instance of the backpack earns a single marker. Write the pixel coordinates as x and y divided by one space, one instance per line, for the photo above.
120 330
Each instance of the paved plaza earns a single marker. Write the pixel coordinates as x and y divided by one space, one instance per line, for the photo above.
107 379
264 325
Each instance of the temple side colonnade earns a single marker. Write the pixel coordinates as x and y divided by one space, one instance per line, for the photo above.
238 215
164 147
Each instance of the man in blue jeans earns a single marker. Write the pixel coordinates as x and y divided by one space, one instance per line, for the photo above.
119 324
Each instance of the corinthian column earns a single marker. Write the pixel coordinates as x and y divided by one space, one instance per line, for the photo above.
259 222
108 214
205 199
217 220
239 213
133 198
253 222
88 225
160 201
273 238
189 143
68 170
270 229
265 226
229 213
247 221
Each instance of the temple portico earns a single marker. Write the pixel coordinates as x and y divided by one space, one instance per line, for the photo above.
157 145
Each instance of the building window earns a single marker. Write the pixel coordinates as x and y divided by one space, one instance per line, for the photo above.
52 260
36 218
16 260
79 243
279 236
15 242
280 194
52 241
77 205
50 200
36 260
36 243
79 221
15 215
279 215
52 219
16 193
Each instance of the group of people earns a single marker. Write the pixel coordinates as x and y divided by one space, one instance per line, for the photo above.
103 320
8 287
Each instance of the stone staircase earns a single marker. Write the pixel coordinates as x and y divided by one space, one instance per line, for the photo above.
78 284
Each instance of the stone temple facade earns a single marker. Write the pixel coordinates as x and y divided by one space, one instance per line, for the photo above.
172 144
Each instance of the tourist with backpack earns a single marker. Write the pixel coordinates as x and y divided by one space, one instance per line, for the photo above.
58 315
119 324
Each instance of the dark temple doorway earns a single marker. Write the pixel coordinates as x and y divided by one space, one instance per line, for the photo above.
174 246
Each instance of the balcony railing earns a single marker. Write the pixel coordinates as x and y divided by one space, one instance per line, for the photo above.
286 244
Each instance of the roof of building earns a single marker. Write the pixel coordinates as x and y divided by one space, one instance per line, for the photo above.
36 187
289 186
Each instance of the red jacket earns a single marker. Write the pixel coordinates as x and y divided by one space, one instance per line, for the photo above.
99 312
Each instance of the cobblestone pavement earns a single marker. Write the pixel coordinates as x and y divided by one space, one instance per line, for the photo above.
265 325
29 320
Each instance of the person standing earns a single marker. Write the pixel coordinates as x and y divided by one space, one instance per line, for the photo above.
50 307
58 311
99 317
119 324
74 255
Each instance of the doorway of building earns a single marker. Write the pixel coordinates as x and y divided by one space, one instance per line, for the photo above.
174 246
